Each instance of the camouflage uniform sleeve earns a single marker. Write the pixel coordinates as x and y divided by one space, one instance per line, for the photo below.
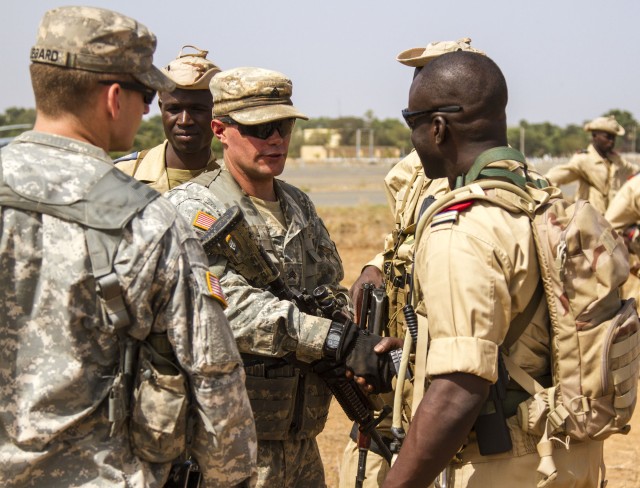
265 325
225 440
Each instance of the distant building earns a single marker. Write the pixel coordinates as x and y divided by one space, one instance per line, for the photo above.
325 143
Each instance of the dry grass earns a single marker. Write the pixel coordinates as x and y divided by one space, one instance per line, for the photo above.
358 233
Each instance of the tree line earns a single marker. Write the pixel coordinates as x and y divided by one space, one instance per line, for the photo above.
540 139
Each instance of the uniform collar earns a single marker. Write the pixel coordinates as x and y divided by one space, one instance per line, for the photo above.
61 142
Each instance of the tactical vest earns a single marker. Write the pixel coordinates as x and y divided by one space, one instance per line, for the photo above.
103 211
226 189
287 402
397 266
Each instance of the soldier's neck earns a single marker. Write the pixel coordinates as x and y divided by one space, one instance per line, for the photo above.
191 161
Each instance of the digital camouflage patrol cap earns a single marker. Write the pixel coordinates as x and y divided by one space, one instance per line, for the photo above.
252 96
99 40
418 57
191 71
606 124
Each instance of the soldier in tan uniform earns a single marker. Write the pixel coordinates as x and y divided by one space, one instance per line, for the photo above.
254 118
93 262
406 187
624 215
186 119
479 270
599 170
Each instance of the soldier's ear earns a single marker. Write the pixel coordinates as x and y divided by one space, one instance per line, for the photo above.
218 129
439 128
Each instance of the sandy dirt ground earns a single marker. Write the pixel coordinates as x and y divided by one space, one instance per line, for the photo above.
359 232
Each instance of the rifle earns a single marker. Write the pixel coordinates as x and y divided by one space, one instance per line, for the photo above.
229 236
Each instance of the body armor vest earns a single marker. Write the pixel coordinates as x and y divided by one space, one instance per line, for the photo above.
287 401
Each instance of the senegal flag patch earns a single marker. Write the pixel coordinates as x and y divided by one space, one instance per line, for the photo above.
215 290
203 220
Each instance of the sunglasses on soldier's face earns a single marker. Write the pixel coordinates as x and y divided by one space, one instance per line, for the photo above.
411 118
263 131
147 93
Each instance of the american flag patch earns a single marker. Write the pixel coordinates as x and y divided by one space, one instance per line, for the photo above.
203 220
215 289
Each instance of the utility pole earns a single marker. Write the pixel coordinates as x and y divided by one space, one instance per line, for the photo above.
522 139
371 144
358 135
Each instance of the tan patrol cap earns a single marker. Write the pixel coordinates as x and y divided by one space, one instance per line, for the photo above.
606 124
418 57
191 71
99 40
252 96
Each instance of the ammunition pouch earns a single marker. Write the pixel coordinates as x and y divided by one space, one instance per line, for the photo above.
398 288
286 402
159 410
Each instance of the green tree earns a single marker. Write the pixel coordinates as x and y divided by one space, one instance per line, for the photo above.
16 116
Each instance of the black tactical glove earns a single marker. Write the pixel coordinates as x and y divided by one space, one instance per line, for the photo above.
353 347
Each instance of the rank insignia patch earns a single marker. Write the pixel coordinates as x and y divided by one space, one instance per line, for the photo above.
203 220
450 214
215 289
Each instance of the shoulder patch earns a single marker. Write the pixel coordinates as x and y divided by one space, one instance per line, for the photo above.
213 283
450 214
127 157
203 220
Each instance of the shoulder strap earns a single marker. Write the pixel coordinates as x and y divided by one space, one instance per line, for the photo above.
206 178
479 169
104 212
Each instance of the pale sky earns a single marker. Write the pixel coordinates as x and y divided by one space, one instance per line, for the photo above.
565 61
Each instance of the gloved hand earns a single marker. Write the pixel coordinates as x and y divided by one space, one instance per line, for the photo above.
348 345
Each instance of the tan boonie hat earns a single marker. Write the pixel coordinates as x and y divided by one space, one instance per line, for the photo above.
418 57
252 96
100 40
606 124
191 71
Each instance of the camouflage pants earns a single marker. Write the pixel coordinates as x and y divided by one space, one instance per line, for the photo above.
290 464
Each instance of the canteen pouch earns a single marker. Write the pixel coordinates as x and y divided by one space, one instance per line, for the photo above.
159 409
315 407
272 401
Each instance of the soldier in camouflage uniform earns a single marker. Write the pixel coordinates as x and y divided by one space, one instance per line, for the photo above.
93 79
254 118
186 118
599 170
406 187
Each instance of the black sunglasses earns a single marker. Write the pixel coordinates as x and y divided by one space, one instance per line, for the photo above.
412 117
147 93
262 131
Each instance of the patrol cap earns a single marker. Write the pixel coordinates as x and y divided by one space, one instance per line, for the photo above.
606 124
99 40
191 71
252 96
418 57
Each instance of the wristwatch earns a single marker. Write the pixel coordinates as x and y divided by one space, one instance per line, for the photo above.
332 341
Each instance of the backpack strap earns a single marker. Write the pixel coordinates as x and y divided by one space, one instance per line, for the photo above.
104 212
479 169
